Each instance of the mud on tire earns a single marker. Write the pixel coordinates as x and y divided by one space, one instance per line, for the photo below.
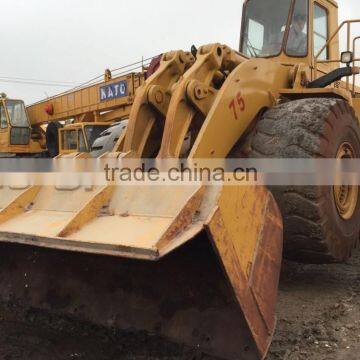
314 230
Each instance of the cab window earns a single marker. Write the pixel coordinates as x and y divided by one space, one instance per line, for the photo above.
17 113
264 27
70 141
3 121
320 31
297 42
255 37
93 132
82 143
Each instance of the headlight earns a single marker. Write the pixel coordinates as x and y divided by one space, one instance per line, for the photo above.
346 57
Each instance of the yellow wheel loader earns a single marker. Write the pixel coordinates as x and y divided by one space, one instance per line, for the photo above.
200 264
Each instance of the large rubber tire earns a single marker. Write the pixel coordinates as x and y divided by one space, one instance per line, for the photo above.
314 230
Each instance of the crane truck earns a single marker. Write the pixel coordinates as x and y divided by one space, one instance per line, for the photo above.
38 130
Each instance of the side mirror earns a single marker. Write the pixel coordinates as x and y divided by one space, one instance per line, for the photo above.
347 57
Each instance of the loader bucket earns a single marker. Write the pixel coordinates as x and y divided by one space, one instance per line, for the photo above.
198 265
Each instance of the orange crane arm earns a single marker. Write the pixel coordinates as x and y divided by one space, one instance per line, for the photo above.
102 102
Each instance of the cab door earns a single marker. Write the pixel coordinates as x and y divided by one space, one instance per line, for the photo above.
324 22
69 141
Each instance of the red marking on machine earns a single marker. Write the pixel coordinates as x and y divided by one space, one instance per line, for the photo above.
49 109
237 105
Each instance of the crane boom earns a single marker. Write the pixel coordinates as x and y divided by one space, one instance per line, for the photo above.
102 102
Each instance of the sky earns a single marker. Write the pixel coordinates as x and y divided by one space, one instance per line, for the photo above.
71 41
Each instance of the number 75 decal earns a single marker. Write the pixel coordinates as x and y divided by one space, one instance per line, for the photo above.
237 105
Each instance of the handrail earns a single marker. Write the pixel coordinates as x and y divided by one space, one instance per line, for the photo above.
334 61
355 60
316 58
348 22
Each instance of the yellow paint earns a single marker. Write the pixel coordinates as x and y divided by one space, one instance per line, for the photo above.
19 204
149 222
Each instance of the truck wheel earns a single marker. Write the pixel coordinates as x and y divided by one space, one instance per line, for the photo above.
52 138
321 223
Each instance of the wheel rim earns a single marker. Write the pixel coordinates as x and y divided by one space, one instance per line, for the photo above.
346 196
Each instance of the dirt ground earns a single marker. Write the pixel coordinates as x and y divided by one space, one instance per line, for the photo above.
318 319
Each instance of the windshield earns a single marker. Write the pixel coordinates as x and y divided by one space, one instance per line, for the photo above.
93 132
297 38
264 27
17 113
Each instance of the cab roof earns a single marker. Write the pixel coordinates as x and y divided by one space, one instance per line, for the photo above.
333 2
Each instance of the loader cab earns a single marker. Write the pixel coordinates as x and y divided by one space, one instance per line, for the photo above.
79 137
293 31
15 129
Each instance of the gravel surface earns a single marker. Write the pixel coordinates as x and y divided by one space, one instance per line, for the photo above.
318 319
